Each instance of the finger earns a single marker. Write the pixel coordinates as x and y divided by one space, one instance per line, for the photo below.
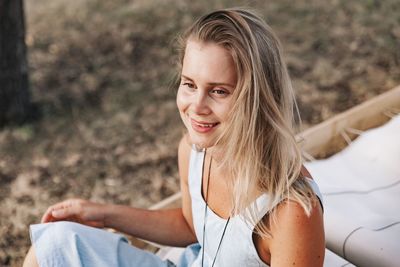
61 213
48 217
70 209
61 204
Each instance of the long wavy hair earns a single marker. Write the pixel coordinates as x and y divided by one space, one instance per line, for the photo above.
259 148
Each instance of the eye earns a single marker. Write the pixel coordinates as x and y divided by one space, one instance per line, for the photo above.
189 85
220 92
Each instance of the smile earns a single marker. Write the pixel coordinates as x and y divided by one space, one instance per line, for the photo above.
202 127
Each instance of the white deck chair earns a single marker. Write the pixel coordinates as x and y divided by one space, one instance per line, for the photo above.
361 189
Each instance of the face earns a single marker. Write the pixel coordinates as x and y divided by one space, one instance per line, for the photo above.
204 98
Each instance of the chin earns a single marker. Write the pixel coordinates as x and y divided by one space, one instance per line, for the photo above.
201 142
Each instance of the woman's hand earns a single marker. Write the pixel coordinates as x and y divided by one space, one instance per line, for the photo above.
77 210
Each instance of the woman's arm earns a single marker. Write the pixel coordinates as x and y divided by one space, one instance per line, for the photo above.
172 227
297 240
166 227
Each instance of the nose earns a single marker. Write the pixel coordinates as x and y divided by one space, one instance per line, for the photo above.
200 104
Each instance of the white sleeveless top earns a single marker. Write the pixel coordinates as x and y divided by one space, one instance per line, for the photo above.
237 247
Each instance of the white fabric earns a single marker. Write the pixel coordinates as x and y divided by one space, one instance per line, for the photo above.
243 252
69 244
237 247
174 254
361 189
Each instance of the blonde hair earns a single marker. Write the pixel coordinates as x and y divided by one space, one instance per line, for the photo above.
259 147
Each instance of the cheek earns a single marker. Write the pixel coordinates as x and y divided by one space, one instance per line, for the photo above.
181 101
222 111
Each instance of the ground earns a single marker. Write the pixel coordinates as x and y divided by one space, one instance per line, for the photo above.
102 75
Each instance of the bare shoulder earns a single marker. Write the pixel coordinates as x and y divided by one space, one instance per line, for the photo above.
184 157
297 239
183 162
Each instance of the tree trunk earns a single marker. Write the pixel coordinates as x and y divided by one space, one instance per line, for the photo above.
14 91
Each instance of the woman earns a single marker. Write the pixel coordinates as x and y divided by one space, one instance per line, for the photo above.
246 199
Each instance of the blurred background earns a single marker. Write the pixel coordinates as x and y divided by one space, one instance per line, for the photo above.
102 122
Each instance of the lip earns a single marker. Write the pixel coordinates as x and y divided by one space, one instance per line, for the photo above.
200 126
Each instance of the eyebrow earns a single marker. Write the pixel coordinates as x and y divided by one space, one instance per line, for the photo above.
213 83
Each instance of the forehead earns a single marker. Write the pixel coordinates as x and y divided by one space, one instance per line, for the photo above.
207 61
